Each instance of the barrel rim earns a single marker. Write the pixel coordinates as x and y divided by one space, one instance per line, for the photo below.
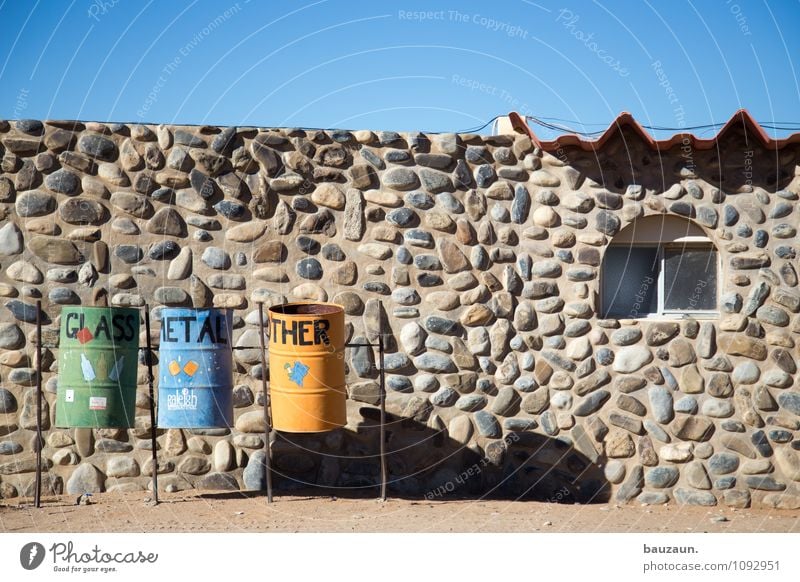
98 308
225 310
280 310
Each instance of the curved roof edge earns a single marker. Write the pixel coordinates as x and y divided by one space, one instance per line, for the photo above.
625 119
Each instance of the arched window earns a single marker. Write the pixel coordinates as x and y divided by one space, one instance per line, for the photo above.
660 267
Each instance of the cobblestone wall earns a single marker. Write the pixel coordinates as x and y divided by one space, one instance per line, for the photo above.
481 255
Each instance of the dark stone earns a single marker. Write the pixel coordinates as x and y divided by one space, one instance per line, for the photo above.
372 158
429 280
591 403
436 363
742 262
30 126
661 477
761 239
608 200
63 181
377 287
419 238
632 485
604 356
128 253
462 175
242 396
683 208
442 325
164 195
694 497
231 210
707 216
723 463
333 252
24 311
10 448
607 222
780 210
790 401
485 175
521 204
437 161
435 182
163 250
201 183
402 217
98 147
35 203
487 424
218 482
254 475
764 483
309 268
7 402
187 138
82 211
759 440
428 262
223 142
307 245
399 383
404 256
778 436
421 200
64 296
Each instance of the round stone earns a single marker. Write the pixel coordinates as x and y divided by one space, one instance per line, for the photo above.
164 250
35 203
545 216
216 258
309 268
746 373
63 181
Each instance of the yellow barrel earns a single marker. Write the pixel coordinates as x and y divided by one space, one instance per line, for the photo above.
306 367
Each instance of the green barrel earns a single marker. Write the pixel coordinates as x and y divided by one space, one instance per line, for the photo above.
97 365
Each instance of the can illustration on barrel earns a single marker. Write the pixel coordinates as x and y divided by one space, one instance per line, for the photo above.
306 367
97 364
195 377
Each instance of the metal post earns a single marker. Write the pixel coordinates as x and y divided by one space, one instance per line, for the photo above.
153 444
383 406
267 411
38 487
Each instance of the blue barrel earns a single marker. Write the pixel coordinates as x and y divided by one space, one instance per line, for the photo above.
195 371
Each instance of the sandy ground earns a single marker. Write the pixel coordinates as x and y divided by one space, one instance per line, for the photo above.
236 512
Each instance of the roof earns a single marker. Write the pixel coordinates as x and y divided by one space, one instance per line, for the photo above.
741 120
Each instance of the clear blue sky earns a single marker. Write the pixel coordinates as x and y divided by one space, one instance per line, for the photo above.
386 65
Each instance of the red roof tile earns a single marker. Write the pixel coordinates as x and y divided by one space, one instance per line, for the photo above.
740 119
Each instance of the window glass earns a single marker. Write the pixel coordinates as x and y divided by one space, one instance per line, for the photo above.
690 279
630 281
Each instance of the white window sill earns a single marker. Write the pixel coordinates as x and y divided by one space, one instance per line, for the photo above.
682 316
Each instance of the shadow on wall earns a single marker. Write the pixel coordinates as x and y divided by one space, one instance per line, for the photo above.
736 163
425 463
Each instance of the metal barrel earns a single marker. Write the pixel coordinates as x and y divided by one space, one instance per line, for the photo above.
306 367
195 368
97 367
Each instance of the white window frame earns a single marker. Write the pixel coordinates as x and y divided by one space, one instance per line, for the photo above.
695 242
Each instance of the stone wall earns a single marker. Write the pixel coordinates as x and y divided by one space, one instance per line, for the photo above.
481 255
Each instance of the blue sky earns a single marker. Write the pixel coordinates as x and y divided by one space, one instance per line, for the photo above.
431 66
